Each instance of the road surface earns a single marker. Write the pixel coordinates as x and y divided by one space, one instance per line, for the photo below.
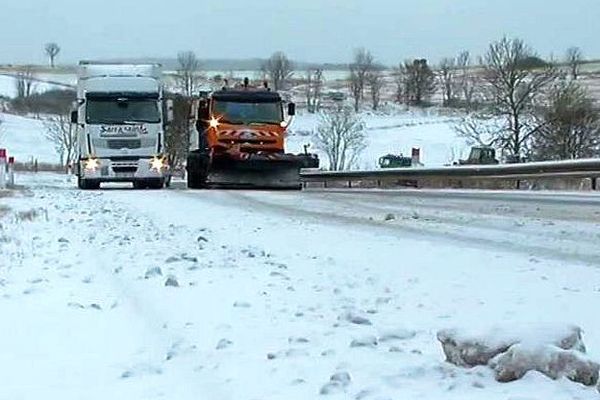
181 294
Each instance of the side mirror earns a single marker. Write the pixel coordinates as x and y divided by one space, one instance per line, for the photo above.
74 117
291 109
170 113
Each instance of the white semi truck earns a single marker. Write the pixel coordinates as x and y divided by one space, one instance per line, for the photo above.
120 119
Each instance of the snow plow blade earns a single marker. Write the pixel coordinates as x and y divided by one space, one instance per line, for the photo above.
260 172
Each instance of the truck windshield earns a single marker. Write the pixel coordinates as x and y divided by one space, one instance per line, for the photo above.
247 113
122 111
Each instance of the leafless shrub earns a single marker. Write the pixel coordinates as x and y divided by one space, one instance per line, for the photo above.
279 69
362 64
314 88
513 90
417 80
574 58
375 83
447 78
60 132
188 76
178 132
570 125
25 82
466 84
340 135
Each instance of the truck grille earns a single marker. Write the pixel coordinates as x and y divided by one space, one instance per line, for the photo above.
116 144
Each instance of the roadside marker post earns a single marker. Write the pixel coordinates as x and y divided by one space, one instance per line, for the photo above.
3 169
11 171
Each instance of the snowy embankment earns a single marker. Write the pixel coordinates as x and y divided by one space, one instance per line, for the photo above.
393 134
26 140
269 295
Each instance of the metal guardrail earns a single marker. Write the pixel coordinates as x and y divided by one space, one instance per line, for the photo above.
587 168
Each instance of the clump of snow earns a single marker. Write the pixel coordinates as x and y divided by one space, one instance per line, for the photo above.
223 344
354 318
551 361
152 272
364 341
466 348
388 335
555 351
172 282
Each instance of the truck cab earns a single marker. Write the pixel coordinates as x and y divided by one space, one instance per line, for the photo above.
240 141
119 120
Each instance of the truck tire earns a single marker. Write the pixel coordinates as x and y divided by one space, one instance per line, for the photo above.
155 183
197 170
195 181
139 184
87 184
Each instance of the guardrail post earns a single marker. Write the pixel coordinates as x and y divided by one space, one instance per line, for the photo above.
11 171
2 168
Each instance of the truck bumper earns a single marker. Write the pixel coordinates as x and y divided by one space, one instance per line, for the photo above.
115 170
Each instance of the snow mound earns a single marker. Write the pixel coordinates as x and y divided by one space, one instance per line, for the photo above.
549 360
468 348
555 351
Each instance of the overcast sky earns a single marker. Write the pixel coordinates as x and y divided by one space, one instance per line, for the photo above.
308 30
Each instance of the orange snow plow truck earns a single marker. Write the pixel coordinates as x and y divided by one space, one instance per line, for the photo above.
239 142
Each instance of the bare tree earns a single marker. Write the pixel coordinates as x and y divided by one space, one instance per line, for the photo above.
375 83
340 135
61 133
188 73
418 80
574 59
570 125
178 131
25 82
512 92
401 81
52 49
466 83
279 69
314 88
360 68
447 77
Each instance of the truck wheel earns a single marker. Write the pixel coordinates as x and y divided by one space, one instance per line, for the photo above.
197 170
196 181
86 184
155 183
139 184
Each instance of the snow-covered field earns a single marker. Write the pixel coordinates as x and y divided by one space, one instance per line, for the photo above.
282 295
25 139
392 133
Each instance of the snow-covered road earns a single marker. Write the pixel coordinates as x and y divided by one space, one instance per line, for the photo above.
279 291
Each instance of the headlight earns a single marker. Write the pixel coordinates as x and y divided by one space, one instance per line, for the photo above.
214 123
91 164
158 163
